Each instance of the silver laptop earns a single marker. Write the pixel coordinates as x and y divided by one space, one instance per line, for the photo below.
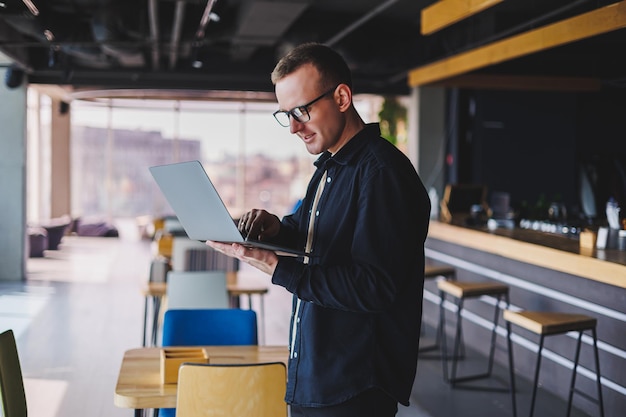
200 209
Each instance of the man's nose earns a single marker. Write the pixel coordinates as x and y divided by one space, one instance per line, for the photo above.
294 125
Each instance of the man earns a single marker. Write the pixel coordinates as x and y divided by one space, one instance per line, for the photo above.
358 295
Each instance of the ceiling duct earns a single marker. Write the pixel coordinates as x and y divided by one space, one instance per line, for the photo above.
262 23
108 32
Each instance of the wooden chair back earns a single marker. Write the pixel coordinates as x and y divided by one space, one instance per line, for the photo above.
206 390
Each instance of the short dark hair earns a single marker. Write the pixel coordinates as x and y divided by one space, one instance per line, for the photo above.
331 66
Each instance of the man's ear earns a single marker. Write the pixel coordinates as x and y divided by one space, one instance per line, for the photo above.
343 96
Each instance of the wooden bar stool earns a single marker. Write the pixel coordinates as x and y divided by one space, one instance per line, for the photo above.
432 272
448 272
461 291
552 323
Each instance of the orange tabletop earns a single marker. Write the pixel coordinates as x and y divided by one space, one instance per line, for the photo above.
139 383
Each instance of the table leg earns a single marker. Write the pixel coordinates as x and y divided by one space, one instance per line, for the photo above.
262 319
156 308
145 321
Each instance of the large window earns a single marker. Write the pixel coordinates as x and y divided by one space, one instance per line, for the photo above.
253 161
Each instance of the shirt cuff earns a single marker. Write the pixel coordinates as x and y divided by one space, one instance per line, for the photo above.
287 274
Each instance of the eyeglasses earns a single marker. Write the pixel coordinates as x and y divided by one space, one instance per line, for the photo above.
300 113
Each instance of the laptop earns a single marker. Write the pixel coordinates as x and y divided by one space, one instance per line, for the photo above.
200 209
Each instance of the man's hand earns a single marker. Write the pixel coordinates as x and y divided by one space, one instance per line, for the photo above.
263 260
259 224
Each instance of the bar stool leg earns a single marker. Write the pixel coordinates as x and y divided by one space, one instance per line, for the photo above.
457 344
494 330
436 345
573 382
534 395
457 337
511 367
598 382
442 338
458 340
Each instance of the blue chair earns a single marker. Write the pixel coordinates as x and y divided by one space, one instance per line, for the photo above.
201 327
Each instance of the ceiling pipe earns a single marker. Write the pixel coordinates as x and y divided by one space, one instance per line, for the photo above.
153 13
179 15
31 7
359 22
204 21
206 17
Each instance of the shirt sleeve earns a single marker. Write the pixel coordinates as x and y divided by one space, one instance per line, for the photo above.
385 248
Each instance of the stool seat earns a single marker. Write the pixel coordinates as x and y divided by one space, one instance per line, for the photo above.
547 323
471 289
432 271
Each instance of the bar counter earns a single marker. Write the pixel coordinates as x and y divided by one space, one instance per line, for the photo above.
544 272
536 248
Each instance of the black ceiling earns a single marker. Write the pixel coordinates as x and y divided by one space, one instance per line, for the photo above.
161 43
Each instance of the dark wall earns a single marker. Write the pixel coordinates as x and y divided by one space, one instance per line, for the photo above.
601 124
533 144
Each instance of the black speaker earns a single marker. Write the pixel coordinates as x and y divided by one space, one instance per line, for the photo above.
13 77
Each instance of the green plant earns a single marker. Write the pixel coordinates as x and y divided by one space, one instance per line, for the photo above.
391 115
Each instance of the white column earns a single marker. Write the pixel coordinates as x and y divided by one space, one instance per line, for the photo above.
427 135
12 180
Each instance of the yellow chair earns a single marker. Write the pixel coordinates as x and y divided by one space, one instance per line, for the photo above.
165 242
11 382
211 390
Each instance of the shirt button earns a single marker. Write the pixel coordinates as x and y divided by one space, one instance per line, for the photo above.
329 179
317 213
298 320
295 354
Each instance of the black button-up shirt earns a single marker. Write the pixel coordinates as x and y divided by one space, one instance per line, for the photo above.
358 302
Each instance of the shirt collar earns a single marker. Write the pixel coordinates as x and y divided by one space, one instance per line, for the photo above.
354 145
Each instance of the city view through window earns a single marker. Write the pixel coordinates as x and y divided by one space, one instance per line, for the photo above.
253 161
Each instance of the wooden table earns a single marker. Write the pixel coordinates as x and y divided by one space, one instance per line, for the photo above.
155 291
139 381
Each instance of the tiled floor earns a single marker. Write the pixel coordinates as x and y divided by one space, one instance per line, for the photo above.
81 308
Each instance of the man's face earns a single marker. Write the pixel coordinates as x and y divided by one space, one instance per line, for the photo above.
322 132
